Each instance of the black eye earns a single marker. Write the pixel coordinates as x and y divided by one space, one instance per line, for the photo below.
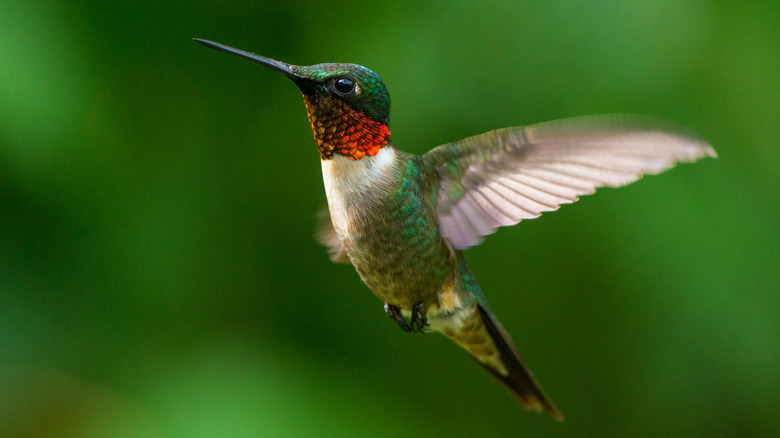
344 85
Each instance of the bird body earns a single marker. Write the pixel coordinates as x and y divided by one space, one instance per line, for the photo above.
403 220
383 210
385 219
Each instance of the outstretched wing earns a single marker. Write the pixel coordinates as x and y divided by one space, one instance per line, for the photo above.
502 177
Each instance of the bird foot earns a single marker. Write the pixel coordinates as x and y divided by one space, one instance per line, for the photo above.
395 313
418 320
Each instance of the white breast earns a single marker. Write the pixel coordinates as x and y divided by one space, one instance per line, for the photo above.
350 183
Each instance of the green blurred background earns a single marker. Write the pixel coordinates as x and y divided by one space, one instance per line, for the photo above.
157 272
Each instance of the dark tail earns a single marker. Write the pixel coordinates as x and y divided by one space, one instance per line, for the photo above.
518 378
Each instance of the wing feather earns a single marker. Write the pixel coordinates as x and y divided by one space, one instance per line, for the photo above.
502 177
327 237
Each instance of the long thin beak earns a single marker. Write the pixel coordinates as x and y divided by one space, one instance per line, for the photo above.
268 62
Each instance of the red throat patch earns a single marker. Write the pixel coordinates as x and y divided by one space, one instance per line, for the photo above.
340 129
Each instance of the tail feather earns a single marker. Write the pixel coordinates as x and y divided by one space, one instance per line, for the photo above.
482 336
518 377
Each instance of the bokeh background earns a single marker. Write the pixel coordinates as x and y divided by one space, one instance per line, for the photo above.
157 201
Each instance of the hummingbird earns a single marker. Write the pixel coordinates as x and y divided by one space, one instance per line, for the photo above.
403 220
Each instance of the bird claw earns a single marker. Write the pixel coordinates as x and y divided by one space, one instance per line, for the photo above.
418 320
395 314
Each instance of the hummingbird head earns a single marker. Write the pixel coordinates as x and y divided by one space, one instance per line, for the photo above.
348 105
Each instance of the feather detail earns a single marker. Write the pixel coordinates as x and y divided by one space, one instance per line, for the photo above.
327 237
475 330
341 130
502 177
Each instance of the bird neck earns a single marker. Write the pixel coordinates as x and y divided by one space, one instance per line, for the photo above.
341 130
